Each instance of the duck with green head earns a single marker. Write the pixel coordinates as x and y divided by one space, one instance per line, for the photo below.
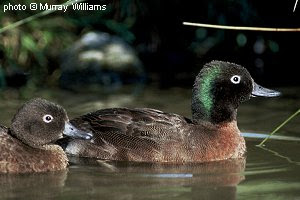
149 135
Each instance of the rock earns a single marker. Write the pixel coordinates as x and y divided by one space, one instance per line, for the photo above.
100 59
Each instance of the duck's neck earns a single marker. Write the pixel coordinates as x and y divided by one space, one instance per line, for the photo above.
208 108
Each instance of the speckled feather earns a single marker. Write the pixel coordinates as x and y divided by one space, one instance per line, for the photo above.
17 157
149 135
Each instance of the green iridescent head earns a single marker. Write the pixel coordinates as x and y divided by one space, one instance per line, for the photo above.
219 89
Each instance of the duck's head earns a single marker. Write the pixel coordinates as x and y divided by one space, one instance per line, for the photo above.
219 89
39 122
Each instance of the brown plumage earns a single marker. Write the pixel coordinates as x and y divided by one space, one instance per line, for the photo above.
26 146
16 157
153 136
149 135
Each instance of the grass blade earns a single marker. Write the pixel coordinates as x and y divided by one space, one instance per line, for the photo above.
33 17
279 127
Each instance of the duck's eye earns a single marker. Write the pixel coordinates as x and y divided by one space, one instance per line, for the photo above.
47 118
235 79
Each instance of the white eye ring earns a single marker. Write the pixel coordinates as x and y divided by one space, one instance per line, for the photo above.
235 79
47 118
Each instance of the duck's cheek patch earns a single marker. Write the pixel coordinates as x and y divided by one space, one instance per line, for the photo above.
236 79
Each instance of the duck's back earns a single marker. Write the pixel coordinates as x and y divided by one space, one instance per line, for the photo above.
145 135
16 157
139 122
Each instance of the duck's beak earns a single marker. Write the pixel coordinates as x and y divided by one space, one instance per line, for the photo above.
259 91
72 131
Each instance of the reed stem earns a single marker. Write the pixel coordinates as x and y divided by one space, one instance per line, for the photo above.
242 28
279 127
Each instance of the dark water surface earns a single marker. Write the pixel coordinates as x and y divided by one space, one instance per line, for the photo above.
272 172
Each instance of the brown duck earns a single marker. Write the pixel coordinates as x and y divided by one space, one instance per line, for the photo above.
149 135
27 145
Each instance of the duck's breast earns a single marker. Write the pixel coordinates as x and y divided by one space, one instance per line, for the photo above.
16 157
218 143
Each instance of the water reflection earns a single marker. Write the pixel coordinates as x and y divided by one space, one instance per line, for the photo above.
32 186
123 180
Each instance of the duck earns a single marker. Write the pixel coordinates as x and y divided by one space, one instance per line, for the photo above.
28 145
150 135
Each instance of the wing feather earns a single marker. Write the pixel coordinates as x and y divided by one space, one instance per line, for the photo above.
140 128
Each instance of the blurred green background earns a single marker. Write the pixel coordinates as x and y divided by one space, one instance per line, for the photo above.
45 52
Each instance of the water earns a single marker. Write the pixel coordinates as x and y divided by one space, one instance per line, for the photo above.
271 172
